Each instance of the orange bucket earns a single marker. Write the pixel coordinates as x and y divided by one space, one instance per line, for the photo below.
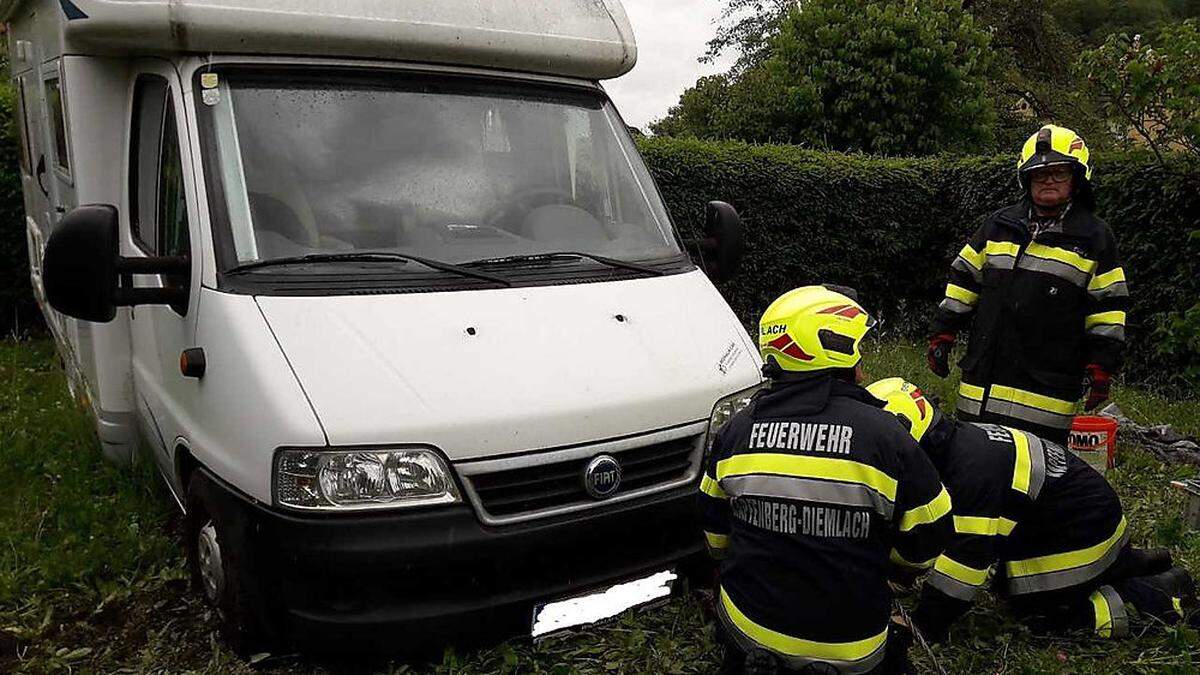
1094 439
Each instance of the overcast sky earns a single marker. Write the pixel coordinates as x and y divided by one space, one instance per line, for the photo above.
671 35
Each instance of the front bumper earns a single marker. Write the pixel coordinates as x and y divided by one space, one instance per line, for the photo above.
417 580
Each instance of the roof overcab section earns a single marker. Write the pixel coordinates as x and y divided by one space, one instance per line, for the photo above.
589 39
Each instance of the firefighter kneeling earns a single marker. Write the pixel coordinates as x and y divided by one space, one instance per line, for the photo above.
809 495
1050 524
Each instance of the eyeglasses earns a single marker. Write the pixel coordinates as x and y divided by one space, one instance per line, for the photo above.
1051 175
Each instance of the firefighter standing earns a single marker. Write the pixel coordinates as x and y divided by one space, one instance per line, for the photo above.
809 495
1049 524
1043 293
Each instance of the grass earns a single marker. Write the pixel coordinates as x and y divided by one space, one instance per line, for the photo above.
92 576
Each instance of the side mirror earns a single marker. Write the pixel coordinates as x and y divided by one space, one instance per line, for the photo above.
722 246
82 268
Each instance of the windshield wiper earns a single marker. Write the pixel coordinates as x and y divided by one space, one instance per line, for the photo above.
538 257
368 256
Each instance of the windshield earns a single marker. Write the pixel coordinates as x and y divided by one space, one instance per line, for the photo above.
448 168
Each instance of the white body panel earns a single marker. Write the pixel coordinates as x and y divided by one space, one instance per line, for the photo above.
578 38
547 366
248 402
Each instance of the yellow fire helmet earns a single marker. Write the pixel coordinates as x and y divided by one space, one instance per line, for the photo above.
908 402
1053 145
813 328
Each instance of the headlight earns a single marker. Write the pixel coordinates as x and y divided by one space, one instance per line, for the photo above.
362 479
724 409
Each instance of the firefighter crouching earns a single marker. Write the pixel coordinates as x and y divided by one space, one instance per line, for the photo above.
1048 524
809 495
1042 290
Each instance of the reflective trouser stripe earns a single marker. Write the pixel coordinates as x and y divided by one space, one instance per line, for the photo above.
810 490
924 514
1063 570
852 658
956 579
1029 471
1111 620
970 399
1031 407
712 488
981 525
900 560
822 468
716 540
717 544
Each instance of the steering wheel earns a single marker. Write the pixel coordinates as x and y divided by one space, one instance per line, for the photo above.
521 202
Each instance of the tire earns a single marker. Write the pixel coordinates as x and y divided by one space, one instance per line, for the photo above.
221 569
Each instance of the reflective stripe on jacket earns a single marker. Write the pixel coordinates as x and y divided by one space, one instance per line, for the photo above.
1024 508
809 496
1039 311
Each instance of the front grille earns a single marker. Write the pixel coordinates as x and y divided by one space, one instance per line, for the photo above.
560 484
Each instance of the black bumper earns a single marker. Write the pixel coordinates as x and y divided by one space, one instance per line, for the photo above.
412 581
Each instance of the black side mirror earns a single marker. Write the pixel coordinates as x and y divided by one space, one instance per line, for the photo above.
82 268
722 246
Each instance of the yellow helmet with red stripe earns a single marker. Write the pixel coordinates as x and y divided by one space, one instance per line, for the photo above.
813 328
1053 145
908 402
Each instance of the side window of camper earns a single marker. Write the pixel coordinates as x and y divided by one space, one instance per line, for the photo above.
23 126
172 205
58 121
146 136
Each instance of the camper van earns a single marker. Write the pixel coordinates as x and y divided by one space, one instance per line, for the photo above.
386 293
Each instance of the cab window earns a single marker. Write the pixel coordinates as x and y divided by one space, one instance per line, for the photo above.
157 205
58 121
23 127
172 207
149 112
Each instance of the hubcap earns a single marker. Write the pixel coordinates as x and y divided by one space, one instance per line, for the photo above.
212 572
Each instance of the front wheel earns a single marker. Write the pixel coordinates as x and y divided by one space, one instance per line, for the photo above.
217 552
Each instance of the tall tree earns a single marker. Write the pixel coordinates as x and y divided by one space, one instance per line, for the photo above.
746 28
875 76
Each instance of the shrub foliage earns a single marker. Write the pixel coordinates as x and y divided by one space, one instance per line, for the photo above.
890 227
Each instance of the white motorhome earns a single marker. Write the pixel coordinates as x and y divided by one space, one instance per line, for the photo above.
387 293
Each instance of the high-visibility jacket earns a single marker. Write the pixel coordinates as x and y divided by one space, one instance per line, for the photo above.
809 495
1037 515
1039 312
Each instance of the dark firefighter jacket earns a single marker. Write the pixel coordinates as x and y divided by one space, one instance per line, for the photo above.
806 494
1039 312
1041 516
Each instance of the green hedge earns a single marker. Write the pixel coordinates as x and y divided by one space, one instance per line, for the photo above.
18 312
890 227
